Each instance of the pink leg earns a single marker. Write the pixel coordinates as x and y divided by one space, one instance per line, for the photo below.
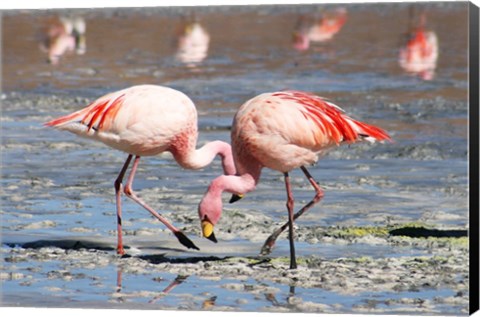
182 238
270 242
290 203
118 196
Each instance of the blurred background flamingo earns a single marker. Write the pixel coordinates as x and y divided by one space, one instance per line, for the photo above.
282 131
420 52
65 34
193 42
146 120
313 29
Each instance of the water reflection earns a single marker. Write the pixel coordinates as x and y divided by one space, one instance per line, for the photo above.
209 303
318 29
420 53
64 35
120 296
289 300
177 281
192 44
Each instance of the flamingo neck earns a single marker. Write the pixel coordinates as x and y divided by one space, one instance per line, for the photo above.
190 158
211 206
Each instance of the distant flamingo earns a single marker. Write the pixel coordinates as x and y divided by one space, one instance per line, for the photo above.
65 35
420 53
282 131
193 42
146 120
309 29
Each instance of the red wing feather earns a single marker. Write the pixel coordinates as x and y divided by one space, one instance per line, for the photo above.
94 114
331 119
61 120
373 131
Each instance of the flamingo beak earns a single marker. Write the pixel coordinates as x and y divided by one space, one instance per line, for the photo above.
207 230
235 198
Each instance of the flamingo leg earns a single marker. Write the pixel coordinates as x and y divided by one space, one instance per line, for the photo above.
270 242
118 197
182 238
290 204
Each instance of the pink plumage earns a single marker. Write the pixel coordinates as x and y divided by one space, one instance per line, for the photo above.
420 53
282 131
288 129
146 120
311 29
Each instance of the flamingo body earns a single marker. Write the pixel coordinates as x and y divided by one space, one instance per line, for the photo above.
63 36
141 120
321 30
282 131
60 45
193 44
146 120
420 54
328 27
286 130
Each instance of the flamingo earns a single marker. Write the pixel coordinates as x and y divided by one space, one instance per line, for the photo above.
420 53
65 35
193 42
318 30
146 120
282 131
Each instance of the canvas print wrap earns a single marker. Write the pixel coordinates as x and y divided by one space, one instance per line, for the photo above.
269 158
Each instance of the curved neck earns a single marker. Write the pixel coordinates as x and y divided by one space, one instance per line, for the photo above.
191 158
211 206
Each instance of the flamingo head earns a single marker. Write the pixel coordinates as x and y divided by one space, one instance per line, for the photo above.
209 216
209 212
210 207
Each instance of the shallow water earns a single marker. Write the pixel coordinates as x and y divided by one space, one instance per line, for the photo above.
56 187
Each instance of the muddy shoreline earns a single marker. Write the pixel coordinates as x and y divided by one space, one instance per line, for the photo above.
395 284
350 260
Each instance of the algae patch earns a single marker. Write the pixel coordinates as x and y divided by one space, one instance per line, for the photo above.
409 234
357 232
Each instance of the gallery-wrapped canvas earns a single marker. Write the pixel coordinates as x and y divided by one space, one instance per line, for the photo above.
301 158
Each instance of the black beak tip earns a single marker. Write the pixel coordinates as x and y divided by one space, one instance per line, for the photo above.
212 238
235 198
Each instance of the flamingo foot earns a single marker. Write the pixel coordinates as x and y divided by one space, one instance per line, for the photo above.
183 239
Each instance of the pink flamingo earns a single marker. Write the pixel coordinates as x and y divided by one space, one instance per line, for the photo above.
146 120
65 35
420 53
324 29
59 40
193 42
282 131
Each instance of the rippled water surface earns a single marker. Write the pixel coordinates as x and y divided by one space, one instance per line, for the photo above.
56 187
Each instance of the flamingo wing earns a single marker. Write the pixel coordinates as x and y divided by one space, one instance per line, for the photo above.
285 130
95 115
331 120
143 120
